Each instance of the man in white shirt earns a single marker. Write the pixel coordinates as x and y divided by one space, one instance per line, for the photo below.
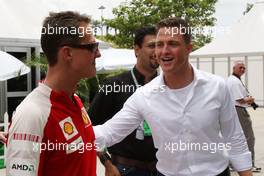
190 112
242 100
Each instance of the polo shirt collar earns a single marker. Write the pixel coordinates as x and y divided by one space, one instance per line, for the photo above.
199 77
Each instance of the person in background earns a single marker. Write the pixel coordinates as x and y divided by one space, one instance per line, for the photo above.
51 133
190 113
243 100
135 155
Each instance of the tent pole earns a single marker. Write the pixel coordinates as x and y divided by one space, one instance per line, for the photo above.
246 75
198 62
229 66
263 80
2 100
37 55
213 65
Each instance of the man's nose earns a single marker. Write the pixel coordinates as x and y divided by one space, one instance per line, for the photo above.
165 49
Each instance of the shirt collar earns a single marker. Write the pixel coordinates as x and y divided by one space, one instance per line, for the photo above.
236 76
58 96
199 77
140 77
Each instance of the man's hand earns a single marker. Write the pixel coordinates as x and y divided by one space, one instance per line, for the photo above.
3 137
249 100
110 169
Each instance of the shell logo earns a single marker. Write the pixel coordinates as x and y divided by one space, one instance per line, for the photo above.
68 128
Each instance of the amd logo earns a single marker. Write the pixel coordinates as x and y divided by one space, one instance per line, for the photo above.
23 167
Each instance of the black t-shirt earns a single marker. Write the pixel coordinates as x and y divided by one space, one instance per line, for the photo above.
110 99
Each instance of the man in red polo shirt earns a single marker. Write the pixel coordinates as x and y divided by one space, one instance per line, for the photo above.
51 133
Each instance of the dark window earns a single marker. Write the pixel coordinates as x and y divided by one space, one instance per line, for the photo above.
18 83
12 103
33 77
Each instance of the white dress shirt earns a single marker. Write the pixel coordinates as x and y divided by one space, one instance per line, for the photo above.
237 90
206 119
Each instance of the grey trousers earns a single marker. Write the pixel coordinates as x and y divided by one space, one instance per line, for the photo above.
246 124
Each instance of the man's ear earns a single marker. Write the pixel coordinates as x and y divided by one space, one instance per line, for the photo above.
136 50
65 53
189 47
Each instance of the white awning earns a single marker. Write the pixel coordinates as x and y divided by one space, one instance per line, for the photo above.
244 39
114 59
11 67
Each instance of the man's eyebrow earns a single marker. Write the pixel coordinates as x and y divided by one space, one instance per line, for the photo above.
158 41
151 43
173 41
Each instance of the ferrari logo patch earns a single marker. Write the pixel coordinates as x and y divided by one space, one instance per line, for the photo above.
85 118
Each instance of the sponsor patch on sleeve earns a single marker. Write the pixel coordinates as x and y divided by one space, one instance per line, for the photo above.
23 167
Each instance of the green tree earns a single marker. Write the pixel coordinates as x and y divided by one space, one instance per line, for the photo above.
96 25
137 13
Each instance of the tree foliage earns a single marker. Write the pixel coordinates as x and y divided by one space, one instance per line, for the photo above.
133 14
96 25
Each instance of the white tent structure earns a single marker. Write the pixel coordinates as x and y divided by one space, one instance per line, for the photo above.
244 41
11 67
113 59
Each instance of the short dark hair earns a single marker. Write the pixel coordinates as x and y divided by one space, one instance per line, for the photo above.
141 33
179 23
53 33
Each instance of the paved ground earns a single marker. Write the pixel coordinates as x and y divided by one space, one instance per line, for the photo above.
258 123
